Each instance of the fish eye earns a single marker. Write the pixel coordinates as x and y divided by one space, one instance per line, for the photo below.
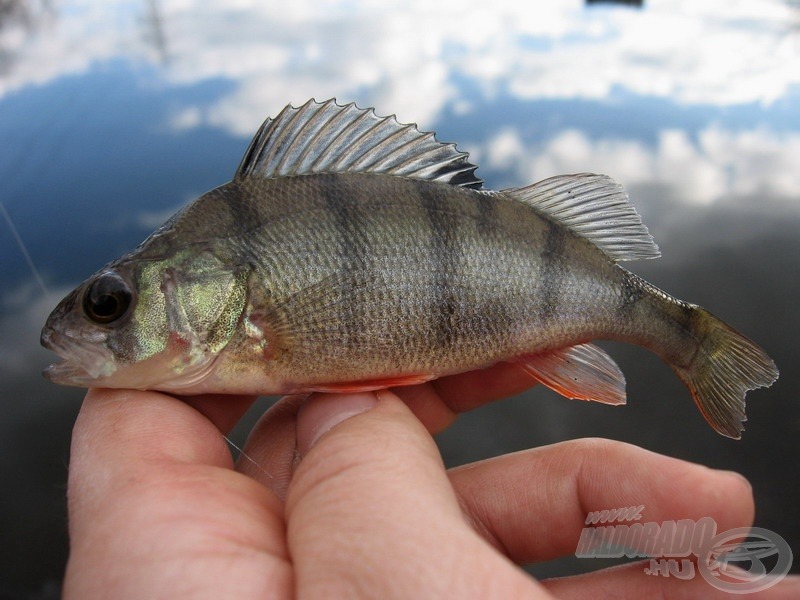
107 299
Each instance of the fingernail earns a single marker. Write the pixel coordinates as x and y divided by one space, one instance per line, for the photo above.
322 412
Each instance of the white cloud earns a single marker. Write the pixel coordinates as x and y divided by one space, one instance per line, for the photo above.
504 148
62 41
400 56
716 165
187 118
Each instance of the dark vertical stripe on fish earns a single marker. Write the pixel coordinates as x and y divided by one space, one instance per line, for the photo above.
353 253
445 259
552 276
242 214
487 213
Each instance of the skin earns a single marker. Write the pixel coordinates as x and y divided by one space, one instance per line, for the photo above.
351 500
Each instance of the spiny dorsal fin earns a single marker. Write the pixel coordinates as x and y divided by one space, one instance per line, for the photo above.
325 137
595 207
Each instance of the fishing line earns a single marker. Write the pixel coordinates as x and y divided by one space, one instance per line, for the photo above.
23 249
243 453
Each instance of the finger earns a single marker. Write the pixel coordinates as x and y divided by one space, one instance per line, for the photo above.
224 410
155 509
437 402
632 581
506 496
270 451
371 512
466 391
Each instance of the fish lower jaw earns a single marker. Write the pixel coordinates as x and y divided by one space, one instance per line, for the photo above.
65 372
81 362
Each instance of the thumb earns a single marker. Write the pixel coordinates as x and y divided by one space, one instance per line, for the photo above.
371 511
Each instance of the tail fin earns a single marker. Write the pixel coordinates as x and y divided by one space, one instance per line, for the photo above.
725 367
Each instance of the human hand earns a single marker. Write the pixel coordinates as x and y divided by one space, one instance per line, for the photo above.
355 507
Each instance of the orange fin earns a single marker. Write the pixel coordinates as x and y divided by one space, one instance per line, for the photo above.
582 372
367 385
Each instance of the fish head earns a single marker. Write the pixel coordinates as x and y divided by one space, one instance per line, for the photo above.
146 323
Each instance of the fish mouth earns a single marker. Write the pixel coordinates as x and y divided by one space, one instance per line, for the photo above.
67 373
82 363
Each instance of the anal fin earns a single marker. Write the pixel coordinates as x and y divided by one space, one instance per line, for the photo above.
582 372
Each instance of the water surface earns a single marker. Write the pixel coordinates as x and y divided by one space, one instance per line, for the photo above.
114 114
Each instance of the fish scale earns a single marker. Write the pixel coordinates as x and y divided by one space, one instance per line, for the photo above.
351 252
347 224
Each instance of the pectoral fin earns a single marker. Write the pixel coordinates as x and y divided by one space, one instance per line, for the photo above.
582 372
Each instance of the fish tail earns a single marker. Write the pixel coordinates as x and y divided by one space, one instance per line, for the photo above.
723 368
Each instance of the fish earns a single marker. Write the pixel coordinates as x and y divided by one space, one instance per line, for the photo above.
351 252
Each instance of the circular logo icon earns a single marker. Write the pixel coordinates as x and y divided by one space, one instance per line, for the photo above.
734 560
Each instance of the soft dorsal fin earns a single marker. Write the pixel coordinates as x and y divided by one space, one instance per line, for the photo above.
595 207
325 137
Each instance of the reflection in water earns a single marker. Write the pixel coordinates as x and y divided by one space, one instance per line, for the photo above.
794 21
636 3
20 19
126 110
26 13
712 164
278 52
23 248
154 30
